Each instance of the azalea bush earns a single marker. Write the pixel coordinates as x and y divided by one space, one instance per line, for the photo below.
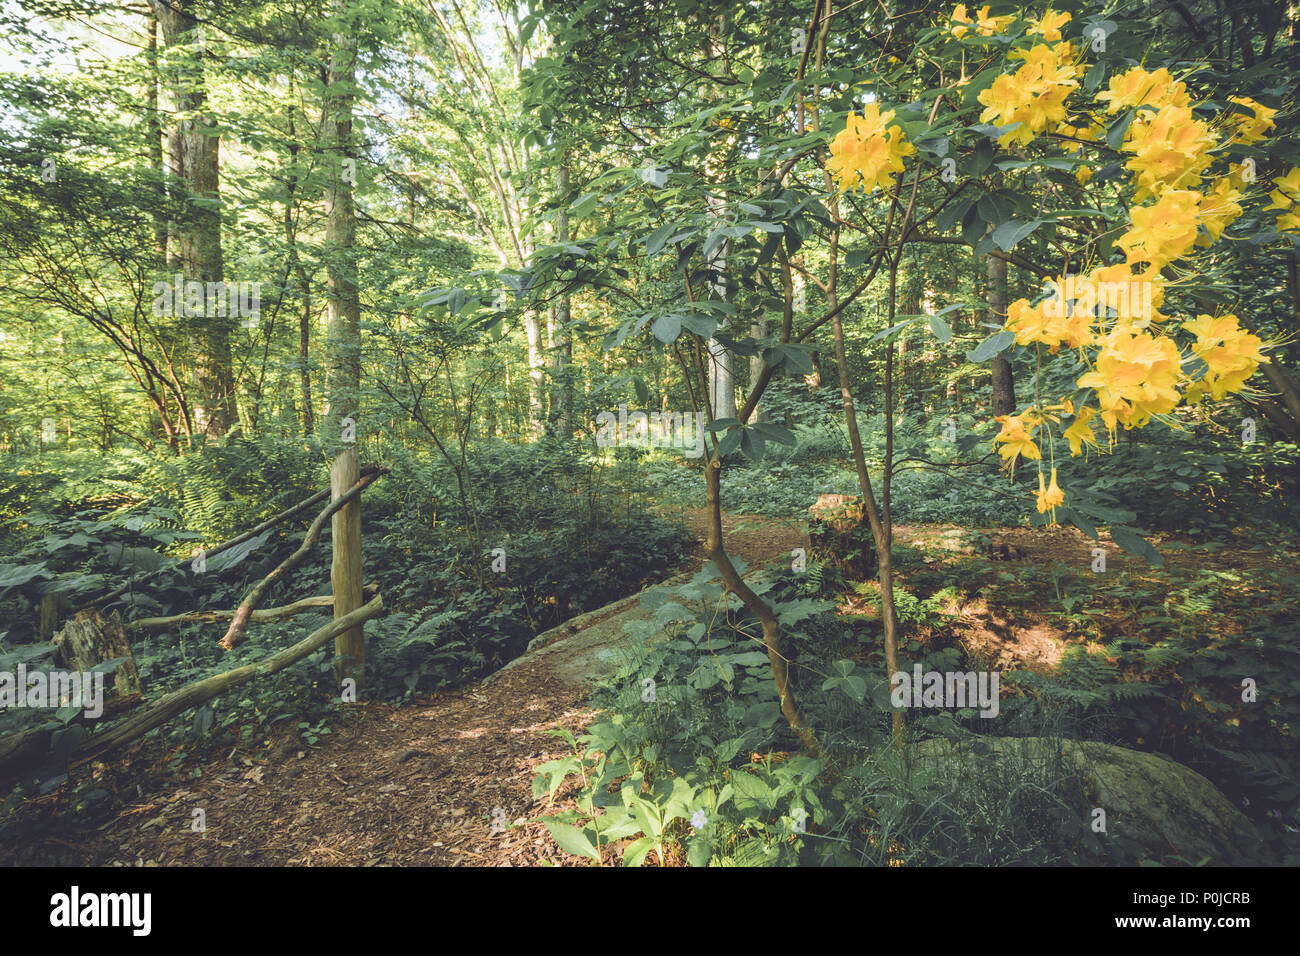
1152 176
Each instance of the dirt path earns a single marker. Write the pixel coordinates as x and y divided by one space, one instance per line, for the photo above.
409 785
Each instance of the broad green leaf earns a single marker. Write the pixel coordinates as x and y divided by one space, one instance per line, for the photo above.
991 346
1009 233
572 840
666 328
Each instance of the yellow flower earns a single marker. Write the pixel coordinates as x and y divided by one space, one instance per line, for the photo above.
1049 497
1137 87
1218 208
867 153
985 25
1083 174
1163 231
1136 377
1250 129
1287 193
1080 432
1172 149
1285 197
1016 438
1230 353
1048 26
1034 96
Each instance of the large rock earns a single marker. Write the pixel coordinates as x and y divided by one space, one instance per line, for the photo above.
1157 809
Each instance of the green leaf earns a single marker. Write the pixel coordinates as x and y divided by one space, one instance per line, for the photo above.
972 226
721 424
749 659
1135 544
991 346
773 432
583 205
948 217
636 852
940 329
666 328
1009 233
654 243
751 792
752 444
1118 129
730 442
572 840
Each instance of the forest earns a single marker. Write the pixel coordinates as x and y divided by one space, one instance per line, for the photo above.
784 433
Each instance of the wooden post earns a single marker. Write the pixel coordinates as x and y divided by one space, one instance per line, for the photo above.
345 571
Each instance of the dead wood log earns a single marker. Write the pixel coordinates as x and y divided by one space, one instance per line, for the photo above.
235 633
19 750
839 535
270 614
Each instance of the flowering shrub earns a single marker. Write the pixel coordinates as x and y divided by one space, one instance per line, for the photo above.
1182 181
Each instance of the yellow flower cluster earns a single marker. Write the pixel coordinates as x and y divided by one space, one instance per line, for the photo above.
1287 198
1163 231
1136 376
868 152
1049 323
1137 87
984 24
1049 496
1230 353
1171 148
1136 371
1113 295
1034 96
1017 437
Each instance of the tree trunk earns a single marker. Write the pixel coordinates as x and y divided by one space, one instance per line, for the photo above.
195 243
1004 386
344 381
722 379
561 417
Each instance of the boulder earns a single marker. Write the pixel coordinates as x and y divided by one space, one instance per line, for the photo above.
1157 810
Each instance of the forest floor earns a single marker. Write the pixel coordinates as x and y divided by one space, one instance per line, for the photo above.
416 784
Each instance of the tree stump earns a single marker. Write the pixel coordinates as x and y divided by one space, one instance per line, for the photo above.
52 608
91 638
841 537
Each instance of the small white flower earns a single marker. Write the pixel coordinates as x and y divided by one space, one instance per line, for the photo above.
698 819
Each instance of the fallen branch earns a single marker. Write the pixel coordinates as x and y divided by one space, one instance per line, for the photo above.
223 546
235 633
13 750
270 614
